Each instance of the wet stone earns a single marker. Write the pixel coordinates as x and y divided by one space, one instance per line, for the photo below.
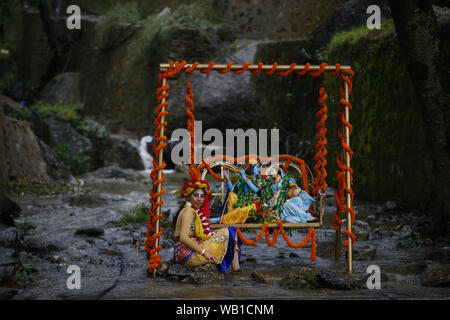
7 293
11 237
437 275
206 274
363 236
342 281
178 270
90 231
364 254
303 279
251 259
262 278
41 247
405 244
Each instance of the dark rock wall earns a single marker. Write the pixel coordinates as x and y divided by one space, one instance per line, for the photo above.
391 159
275 19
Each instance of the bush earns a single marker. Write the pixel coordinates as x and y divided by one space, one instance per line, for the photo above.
138 215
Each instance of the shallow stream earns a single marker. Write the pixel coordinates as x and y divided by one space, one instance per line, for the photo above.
112 268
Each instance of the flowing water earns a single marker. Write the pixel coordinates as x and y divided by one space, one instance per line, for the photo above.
112 268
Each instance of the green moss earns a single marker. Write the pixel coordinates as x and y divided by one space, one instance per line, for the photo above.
390 155
59 111
43 187
355 34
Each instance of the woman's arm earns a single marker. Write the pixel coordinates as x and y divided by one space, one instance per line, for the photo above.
187 216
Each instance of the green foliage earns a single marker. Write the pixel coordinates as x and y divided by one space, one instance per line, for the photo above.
138 215
58 111
25 226
92 129
305 54
154 30
76 165
62 151
80 163
23 271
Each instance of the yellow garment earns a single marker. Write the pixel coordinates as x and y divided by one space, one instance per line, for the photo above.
184 230
217 245
198 229
236 215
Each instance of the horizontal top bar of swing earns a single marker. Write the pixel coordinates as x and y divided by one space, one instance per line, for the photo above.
267 67
270 225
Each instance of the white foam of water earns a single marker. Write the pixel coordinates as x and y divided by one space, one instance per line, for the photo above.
145 156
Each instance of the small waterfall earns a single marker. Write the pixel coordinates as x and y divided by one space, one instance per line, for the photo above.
143 151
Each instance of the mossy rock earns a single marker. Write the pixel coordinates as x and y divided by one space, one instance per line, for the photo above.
303 279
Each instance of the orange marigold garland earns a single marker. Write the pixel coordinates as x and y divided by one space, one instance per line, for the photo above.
302 168
345 76
319 183
258 237
274 239
160 143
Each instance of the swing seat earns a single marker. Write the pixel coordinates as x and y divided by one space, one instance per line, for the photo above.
216 170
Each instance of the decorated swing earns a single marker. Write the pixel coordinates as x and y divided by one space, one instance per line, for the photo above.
215 166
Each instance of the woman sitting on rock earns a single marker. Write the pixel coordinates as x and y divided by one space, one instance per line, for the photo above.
192 246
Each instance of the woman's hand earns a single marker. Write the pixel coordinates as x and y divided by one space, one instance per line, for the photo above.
210 257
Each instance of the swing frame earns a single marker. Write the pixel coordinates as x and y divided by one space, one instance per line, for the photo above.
154 232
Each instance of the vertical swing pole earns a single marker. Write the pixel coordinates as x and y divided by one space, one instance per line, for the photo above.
337 253
160 161
347 178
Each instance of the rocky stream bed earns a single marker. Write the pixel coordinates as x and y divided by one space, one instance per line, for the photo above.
85 227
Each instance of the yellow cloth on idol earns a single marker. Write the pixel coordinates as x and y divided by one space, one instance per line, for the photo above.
236 215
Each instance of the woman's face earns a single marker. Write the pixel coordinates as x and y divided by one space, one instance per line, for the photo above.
197 198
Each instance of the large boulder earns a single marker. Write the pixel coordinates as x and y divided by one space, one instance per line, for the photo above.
20 131
220 100
124 153
55 167
71 147
23 155
19 111
100 138
62 89
8 208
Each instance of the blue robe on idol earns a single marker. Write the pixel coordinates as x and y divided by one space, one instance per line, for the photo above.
295 209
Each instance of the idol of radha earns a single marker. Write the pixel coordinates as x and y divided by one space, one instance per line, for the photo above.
194 247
